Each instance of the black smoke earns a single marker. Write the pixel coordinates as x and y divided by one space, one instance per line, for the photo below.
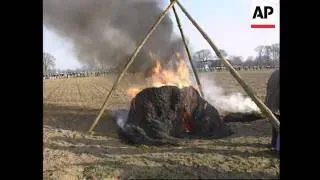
106 32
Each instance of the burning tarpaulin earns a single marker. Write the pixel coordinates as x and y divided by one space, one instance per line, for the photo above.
160 115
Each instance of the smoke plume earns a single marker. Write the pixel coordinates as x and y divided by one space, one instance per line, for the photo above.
235 102
121 117
106 32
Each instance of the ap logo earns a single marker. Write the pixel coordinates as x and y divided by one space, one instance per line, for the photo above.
264 13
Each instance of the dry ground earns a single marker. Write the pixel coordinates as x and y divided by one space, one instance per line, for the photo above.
70 106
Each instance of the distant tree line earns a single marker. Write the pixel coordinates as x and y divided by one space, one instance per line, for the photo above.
268 56
50 72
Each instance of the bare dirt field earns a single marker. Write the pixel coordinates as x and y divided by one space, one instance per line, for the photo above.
70 106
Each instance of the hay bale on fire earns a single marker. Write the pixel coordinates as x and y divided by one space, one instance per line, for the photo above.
161 115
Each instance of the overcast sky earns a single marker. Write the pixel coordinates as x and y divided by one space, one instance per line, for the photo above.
227 22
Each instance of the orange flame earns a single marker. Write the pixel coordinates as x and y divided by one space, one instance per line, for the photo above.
178 77
161 77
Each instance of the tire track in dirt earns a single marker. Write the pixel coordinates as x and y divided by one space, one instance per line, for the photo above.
119 95
54 90
98 89
59 160
68 102
84 102
103 91
81 106
99 83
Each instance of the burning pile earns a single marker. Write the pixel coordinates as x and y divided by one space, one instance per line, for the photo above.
172 108
160 115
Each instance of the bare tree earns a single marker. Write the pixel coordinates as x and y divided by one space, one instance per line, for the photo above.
223 53
48 62
268 55
249 61
203 55
236 60
275 51
260 51
249 58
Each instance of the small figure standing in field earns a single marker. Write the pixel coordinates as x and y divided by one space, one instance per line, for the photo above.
272 101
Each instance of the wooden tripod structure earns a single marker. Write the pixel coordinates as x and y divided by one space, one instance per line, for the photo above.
264 109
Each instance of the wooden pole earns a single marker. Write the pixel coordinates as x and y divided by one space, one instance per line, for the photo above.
187 50
126 67
265 110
